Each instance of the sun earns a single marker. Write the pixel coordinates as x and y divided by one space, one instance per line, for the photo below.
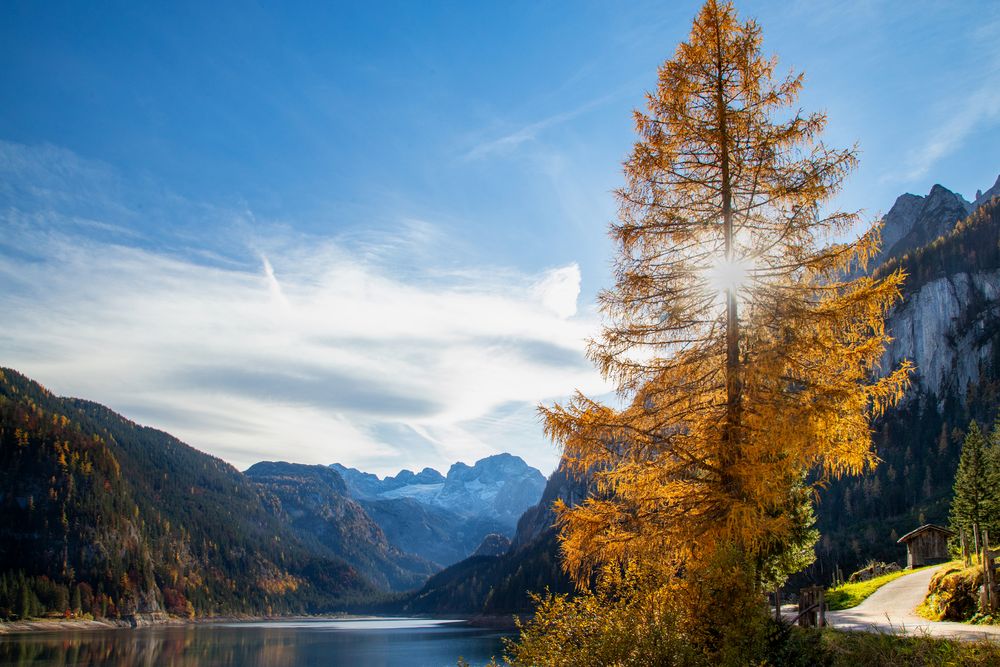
727 275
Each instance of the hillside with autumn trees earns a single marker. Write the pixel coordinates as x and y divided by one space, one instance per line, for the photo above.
102 516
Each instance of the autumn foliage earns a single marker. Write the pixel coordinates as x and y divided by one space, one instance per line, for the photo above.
741 334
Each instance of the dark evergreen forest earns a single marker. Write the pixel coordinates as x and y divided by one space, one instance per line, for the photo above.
919 443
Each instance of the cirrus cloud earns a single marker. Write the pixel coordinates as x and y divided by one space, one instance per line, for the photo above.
310 349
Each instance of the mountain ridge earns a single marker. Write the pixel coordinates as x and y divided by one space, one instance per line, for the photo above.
314 497
444 518
128 519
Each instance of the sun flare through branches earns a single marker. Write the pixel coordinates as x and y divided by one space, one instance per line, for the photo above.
746 356
731 275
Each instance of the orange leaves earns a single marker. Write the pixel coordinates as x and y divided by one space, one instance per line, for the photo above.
710 452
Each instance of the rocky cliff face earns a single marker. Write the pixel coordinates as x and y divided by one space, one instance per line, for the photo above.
984 197
950 313
444 518
539 520
945 327
915 221
498 487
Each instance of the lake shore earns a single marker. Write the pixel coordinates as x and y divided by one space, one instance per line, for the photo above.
138 621
81 624
497 621
42 625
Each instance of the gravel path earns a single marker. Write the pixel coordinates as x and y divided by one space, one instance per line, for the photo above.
892 609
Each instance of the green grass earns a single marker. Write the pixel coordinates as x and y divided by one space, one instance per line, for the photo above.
851 595
854 649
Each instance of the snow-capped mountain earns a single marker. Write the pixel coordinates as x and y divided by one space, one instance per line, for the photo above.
499 487
444 518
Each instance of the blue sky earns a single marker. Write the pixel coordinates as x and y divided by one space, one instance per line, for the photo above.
372 232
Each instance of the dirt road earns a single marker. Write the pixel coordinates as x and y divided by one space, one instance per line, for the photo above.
891 609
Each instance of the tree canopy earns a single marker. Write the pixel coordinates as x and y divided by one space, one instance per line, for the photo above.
745 353
977 497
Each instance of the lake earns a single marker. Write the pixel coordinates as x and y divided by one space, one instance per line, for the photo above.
382 642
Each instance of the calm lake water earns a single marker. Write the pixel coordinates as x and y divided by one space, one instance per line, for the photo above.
309 643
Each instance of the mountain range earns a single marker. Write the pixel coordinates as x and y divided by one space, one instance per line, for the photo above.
102 515
444 518
948 324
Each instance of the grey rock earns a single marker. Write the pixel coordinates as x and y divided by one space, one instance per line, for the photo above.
445 518
983 197
915 221
493 545
499 487
540 519
941 327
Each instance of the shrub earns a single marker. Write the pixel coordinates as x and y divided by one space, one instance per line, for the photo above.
953 594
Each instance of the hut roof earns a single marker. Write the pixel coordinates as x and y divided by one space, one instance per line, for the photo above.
913 534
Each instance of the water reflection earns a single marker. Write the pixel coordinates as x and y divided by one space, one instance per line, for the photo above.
381 643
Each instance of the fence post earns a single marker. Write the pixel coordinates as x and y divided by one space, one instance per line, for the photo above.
821 601
812 607
989 573
805 601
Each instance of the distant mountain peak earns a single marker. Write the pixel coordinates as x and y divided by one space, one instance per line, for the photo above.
499 487
983 197
914 220
425 476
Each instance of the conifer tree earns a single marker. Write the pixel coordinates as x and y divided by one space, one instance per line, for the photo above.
743 349
993 483
974 490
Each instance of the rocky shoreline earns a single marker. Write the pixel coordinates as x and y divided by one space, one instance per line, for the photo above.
498 622
131 622
75 624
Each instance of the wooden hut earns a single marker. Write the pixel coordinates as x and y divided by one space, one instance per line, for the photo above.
925 545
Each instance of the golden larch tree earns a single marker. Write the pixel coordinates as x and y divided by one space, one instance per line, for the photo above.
744 350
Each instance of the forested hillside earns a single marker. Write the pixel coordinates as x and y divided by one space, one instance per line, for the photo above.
919 442
504 583
103 516
324 517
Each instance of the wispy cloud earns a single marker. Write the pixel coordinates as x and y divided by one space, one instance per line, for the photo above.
321 350
978 111
961 118
511 140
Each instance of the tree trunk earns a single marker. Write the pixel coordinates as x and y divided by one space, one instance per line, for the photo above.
731 439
